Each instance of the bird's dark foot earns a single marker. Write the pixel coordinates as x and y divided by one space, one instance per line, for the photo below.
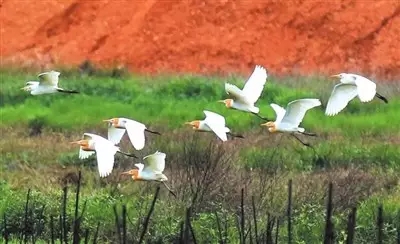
153 132
66 91
308 134
169 189
381 97
128 154
235 135
304 143
261 117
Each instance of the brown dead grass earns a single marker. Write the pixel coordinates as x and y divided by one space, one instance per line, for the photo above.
33 164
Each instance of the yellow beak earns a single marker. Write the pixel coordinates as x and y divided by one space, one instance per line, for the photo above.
187 123
76 142
264 124
107 120
221 101
337 76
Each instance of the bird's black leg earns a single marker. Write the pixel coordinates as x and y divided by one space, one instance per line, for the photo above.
235 135
154 132
128 154
298 139
169 189
66 91
308 133
259 116
381 97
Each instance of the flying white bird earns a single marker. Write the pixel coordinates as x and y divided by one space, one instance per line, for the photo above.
351 85
105 152
245 99
48 83
151 170
213 123
135 130
289 120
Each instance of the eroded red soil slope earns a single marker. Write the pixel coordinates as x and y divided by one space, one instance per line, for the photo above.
294 36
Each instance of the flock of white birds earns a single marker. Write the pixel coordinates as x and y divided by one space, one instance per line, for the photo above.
287 120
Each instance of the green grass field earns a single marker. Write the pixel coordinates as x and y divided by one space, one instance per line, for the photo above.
358 150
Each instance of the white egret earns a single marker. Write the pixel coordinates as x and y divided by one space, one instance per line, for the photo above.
289 120
135 130
213 123
48 83
351 85
151 170
105 151
245 99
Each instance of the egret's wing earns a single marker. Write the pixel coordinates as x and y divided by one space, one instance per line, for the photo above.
49 78
255 84
105 157
140 166
155 162
236 93
136 134
296 110
366 89
97 138
214 117
341 95
99 143
84 154
279 111
115 134
32 82
216 123
89 136
219 131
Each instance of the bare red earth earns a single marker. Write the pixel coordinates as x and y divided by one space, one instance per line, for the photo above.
287 37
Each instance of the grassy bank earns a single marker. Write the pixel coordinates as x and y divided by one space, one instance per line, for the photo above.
357 150
170 101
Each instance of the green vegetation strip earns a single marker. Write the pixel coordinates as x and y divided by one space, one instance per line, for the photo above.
170 101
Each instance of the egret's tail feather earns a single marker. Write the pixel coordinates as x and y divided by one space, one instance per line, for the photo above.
301 130
255 110
66 91
381 97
